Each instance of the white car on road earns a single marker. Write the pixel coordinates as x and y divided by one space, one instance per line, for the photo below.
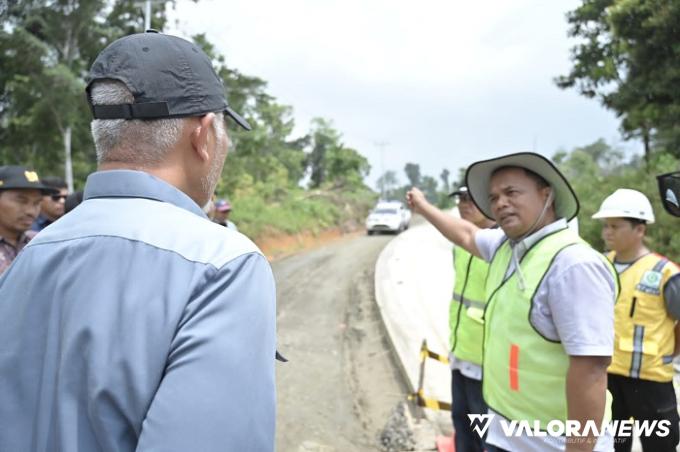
390 216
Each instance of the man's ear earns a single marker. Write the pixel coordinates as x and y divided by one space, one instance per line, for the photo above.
200 136
549 194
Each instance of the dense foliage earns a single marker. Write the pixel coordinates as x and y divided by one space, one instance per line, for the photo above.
597 170
277 182
628 57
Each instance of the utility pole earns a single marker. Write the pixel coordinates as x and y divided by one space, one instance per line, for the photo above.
147 11
382 145
147 15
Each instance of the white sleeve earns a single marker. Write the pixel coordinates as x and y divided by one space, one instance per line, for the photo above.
488 241
581 301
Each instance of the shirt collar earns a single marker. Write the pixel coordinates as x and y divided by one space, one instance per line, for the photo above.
137 184
43 221
23 240
530 241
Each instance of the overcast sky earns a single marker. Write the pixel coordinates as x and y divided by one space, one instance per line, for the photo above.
443 82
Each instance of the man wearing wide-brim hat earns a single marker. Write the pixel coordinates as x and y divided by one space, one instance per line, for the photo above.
21 192
548 322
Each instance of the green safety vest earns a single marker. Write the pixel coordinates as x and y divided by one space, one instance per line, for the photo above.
467 307
525 373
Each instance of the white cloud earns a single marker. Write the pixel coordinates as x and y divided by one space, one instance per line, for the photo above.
444 82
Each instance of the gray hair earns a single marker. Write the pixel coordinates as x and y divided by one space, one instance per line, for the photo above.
134 141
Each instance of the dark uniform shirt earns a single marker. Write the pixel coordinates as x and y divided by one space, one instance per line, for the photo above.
8 252
41 223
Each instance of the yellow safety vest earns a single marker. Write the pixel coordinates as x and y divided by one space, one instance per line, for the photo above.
644 332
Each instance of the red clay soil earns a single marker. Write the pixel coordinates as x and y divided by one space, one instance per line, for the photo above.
278 246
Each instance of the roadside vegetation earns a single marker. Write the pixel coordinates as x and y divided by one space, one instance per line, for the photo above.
626 56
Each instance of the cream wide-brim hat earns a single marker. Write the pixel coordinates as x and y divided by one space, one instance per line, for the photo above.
478 177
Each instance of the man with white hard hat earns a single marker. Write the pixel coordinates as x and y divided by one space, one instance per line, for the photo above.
647 335
549 315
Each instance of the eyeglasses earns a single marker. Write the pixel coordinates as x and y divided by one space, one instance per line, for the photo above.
57 198
669 189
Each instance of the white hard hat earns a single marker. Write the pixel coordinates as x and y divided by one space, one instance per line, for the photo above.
626 203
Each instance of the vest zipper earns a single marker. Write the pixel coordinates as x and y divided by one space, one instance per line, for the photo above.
632 307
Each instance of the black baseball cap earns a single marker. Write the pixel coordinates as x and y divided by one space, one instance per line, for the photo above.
14 177
169 77
460 191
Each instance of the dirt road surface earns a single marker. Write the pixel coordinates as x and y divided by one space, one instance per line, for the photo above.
337 390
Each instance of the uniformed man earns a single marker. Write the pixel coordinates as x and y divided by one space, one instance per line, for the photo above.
466 325
21 193
647 333
467 331
52 206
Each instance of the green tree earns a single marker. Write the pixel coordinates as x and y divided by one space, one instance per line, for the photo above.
387 183
428 185
46 48
324 140
444 177
346 168
412 171
629 58
595 175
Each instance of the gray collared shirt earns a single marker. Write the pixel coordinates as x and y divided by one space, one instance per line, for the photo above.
136 324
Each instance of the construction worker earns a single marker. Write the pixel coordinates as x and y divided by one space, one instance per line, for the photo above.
467 331
647 334
548 320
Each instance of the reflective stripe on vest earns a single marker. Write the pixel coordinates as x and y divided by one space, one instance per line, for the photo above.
466 311
524 372
644 336
469 303
638 341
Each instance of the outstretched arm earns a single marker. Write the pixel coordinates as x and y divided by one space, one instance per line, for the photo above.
460 232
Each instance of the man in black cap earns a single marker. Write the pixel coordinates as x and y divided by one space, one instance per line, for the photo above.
20 195
137 323
52 206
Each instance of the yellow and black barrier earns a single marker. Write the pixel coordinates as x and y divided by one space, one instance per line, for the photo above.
419 397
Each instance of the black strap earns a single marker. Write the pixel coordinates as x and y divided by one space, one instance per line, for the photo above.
148 110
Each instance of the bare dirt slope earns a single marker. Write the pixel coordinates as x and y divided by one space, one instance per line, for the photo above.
341 383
